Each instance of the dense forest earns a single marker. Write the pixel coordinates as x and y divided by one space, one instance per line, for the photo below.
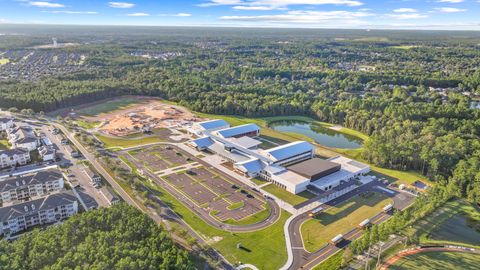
119 237
411 92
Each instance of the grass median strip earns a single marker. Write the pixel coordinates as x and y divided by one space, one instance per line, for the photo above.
340 219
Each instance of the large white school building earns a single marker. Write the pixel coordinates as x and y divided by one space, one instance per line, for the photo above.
239 145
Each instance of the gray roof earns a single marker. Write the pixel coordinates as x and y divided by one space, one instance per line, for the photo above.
237 130
109 194
246 142
315 167
288 150
16 151
24 134
46 150
5 119
34 206
32 179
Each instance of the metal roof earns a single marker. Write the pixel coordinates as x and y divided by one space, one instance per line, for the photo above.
237 130
213 124
203 142
288 150
252 165
246 142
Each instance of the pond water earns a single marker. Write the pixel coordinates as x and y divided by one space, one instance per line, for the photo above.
321 135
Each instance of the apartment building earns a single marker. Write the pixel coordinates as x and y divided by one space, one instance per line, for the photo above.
29 186
46 210
6 123
14 157
23 137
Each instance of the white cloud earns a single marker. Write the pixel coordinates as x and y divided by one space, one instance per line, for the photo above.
138 14
181 14
120 5
449 10
276 4
405 10
69 12
450 1
305 17
45 4
407 16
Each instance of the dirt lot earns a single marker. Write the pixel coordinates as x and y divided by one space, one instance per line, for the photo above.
145 113
216 194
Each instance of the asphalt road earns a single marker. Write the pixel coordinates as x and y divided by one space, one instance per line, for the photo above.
303 259
274 208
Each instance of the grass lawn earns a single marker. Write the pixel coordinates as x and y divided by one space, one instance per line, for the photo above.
259 181
288 197
340 219
108 106
4 145
438 261
456 222
267 243
331 263
86 124
122 143
4 61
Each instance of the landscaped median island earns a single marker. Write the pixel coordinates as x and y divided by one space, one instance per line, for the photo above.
288 197
316 232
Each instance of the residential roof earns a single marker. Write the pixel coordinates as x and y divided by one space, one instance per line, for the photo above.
288 150
34 206
32 179
237 130
23 134
250 166
5 119
213 124
315 168
246 142
16 151
203 142
46 150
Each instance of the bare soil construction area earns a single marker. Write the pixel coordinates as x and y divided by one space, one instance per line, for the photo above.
144 115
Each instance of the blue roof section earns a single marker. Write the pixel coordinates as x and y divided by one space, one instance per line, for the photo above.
213 124
251 165
237 130
289 150
203 142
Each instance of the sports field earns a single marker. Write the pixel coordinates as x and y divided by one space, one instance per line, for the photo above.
455 222
438 261
111 142
341 219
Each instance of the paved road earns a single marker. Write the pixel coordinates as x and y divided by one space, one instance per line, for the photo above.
274 208
127 198
306 260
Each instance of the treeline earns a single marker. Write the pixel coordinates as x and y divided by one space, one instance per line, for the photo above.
119 237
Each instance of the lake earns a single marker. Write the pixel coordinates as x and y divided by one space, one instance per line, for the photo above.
321 135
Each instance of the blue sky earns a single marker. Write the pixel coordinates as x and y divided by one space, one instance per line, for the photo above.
401 14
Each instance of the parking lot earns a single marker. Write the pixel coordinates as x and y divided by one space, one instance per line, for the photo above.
215 194
160 157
